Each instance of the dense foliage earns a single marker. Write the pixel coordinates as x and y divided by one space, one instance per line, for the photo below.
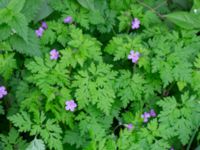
99 74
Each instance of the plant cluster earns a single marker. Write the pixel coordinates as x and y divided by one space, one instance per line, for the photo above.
99 74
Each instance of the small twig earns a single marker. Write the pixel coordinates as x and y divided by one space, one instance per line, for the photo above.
150 8
158 6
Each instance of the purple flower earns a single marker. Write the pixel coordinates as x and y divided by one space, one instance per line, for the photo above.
39 32
171 148
146 116
152 113
129 126
3 92
135 23
70 105
54 54
44 25
68 19
134 56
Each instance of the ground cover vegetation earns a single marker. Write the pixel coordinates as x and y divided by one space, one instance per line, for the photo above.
99 74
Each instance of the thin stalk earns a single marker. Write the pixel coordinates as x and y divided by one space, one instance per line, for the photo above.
117 127
191 140
150 8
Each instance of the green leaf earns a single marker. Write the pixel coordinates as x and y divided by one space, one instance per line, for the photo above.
19 25
184 19
30 48
4 3
5 32
31 8
73 138
46 74
49 130
133 87
197 61
22 121
181 85
4 46
51 133
121 45
82 48
197 148
44 11
110 144
96 18
124 21
160 144
6 15
179 119
88 4
36 144
12 140
120 5
166 74
95 86
7 65
16 5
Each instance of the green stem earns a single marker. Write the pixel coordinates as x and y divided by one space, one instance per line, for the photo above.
134 68
117 127
113 31
191 140
167 90
150 8
160 5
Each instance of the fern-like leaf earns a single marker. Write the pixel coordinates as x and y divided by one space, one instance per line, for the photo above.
7 65
36 144
22 121
95 86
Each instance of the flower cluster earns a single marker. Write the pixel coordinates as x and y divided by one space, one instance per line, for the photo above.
70 105
41 29
147 115
54 55
134 56
3 92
